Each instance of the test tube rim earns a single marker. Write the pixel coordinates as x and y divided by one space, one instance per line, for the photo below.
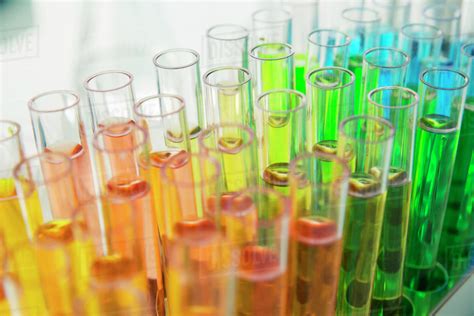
398 107
463 50
107 72
438 32
341 69
174 50
15 134
75 101
456 15
286 12
242 28
137 145
436 69
205 76
375 20
346 43
206 132
301 106
368 117
406 58
159 96
288 46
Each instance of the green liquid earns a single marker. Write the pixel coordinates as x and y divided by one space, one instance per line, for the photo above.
388 284
232 107
362 227
457 238
355 65
436 140
300 72
236 166
275 74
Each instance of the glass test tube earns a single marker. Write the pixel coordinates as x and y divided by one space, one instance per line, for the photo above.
447 17
112 262
49 177
327 48
281 123
125 180
261 287
382 67
234 146
397 105
370 140
363 26
58 127
227 45
393 15
228 92
272 25
272 67
318 185
422 42
331 99
458 228
12 299
177 72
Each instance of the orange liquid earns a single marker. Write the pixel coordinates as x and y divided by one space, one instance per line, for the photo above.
261 286
315 255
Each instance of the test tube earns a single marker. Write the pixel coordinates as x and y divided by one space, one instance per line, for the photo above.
382 67
327 48
442 96
261 287
228 94
49 177
447 17
398 106
331 99
370 139
11 300
124 178
58 127
113 259
227 45
177 72
281 126
273 25
363 26
422 42
272 67
234 147
458 227
319 185
393 15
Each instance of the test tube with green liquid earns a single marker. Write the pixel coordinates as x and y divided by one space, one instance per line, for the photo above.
327 48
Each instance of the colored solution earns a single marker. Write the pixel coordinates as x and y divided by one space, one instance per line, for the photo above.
276 73
436 139
232 105
315 255
361 237
300 72
355 65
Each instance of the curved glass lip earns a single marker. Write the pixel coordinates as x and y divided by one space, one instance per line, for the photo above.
175 50
75 101
456 12
191 183
16 133
367 117
458 72
206 132
465 46
247 78
300 95
406 58
286 19
108 72
323 157
398 107
287 46
361 9
340 69
344 35
140 102
438 33
102 130
445 277
57 156
240 27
